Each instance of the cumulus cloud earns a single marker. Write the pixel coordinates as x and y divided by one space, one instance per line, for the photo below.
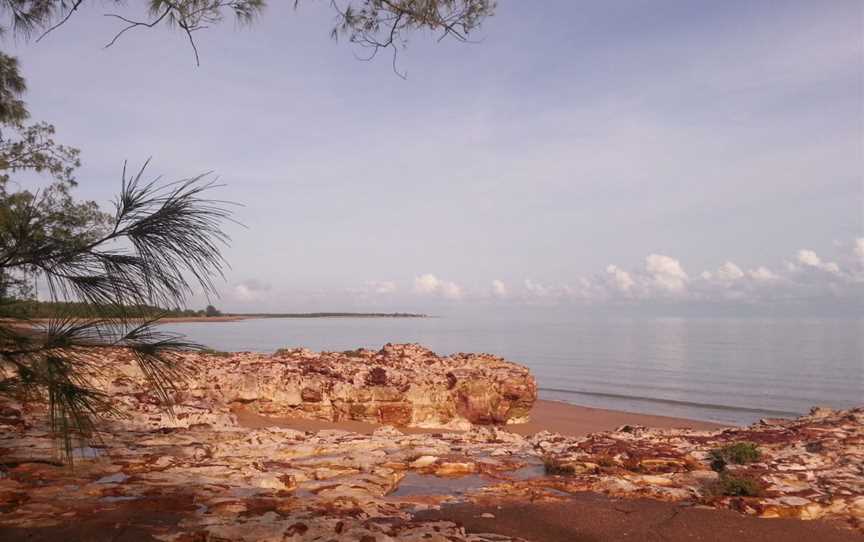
429 284
382 287
537 289
666 272
808 258
728 272
662 278
621 280
762 274
499 289
426 284
250 290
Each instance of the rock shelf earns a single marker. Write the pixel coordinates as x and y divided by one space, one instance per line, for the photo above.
200 475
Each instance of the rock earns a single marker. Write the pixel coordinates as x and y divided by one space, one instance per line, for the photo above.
226 482
793 501
455 469
423 461
856 508
792 478
400 385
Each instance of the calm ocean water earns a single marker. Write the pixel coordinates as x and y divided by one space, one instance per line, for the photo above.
725 370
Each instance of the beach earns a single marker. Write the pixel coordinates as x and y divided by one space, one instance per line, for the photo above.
403 444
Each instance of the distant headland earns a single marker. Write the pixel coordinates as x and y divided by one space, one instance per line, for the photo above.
331 315
34 310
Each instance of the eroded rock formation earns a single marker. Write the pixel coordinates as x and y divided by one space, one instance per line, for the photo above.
399 385
808 468
200 475
215 480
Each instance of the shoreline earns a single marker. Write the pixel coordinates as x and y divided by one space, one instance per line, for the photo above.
240 317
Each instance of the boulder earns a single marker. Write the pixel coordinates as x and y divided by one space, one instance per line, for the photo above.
399 385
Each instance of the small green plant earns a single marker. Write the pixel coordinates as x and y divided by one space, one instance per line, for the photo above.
729 485
739 453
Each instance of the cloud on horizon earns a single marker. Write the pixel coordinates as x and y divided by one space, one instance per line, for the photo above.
807 276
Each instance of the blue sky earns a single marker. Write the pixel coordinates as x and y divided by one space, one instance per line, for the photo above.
581 154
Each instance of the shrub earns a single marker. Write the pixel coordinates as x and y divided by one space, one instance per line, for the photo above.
551 465
739 453
736 486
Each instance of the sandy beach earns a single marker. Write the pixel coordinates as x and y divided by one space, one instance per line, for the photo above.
362 445
590 517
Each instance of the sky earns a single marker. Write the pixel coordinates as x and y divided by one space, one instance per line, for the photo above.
643 157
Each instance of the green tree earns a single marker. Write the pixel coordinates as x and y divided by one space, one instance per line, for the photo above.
212 311
159 242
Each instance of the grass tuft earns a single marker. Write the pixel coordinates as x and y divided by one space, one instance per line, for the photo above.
739 453
729 485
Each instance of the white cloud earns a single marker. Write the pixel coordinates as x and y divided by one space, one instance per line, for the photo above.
763 274
426 284
536 289
451 290
811 259
858 250
382 287
499 289
666 272
250 290
429 284
620 279
727 273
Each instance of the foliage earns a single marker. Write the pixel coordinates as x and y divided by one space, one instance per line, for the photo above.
34 149
729 485
381 24
32 309
158 240
111 270
212 311
373 24
13 111
738 453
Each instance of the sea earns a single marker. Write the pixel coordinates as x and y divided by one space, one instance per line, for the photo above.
727 370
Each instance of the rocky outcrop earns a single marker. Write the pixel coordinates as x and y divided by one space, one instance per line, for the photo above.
197 474
399 385
215 480
808 468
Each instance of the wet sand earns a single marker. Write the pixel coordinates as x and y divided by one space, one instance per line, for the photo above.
589 517
545 416
576 420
